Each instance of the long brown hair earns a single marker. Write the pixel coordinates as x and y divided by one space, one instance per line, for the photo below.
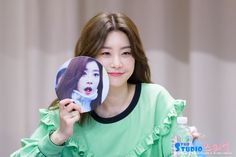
94 34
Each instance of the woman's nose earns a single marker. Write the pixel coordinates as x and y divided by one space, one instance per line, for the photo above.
89 83
116 62
89 80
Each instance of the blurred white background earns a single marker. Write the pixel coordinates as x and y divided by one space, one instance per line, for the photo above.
190 45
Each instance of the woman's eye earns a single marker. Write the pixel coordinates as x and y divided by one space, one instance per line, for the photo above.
127 53
105 53
96 74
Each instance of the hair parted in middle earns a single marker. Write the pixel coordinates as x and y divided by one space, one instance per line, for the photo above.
72 75
94 34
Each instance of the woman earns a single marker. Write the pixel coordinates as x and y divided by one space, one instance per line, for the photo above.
81 81
136 119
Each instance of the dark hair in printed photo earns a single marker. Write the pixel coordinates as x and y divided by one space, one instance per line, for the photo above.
68 78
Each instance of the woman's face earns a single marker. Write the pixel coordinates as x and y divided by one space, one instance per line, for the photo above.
117 58
89 81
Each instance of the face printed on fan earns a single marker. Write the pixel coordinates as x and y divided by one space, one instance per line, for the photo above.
89 81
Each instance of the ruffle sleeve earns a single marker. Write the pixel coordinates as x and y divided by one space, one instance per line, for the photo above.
39 143
79 147
74 145
47 118
158 131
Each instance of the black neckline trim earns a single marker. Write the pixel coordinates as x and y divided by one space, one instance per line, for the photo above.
123 114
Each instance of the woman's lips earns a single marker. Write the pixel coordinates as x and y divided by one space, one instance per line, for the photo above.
88 90
115 74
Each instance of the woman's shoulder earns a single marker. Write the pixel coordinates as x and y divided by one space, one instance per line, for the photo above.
160 100
49 117
152 88
47 111
156 97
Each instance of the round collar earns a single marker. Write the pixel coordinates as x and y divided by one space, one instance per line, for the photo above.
123 114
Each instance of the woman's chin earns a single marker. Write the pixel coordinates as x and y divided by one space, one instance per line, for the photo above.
117 84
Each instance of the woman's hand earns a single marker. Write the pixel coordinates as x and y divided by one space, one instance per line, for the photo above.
69 113
194 132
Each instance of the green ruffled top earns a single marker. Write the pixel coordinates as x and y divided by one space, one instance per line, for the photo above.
144 129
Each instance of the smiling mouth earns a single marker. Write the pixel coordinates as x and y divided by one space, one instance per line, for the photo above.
115 74
88 90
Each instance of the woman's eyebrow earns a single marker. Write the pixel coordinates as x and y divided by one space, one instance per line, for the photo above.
105 47
96 70
124 47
